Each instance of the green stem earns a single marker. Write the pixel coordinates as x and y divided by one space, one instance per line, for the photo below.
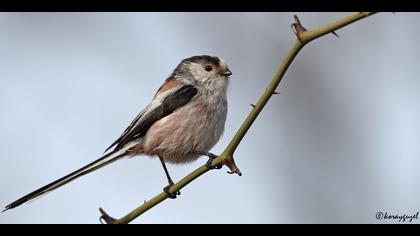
308 36
269 91
161 197
304 38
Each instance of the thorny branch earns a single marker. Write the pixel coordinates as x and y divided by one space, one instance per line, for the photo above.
304 36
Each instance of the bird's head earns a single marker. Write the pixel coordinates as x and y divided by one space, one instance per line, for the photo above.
209 71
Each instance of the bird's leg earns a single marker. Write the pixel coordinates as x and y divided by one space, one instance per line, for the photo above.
171 183
211 158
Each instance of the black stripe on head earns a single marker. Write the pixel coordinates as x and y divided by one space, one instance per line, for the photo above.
203 59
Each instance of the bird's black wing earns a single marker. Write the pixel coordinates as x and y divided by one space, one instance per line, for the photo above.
150 115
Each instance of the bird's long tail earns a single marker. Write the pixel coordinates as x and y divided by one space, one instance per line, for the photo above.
101 162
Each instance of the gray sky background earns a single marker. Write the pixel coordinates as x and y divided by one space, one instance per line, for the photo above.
340 142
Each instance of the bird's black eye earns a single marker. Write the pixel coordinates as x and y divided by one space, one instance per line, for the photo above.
208 68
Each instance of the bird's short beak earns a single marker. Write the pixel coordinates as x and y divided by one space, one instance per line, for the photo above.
227 73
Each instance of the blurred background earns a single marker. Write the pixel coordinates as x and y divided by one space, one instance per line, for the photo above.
339 144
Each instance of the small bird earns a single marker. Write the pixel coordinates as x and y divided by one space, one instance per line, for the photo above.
184 120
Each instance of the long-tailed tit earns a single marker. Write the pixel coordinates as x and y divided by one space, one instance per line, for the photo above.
184 121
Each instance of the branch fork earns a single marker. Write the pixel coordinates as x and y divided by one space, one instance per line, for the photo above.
298 28
105 217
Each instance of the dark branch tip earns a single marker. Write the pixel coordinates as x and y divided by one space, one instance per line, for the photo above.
298 27
238 172
296 19
105 217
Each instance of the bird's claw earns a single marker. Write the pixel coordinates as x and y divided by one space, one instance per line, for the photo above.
211 156
171 195
210 161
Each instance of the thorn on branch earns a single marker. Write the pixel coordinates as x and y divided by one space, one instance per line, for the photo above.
275 93
105 217
336 35
298 27
252 105
230 163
